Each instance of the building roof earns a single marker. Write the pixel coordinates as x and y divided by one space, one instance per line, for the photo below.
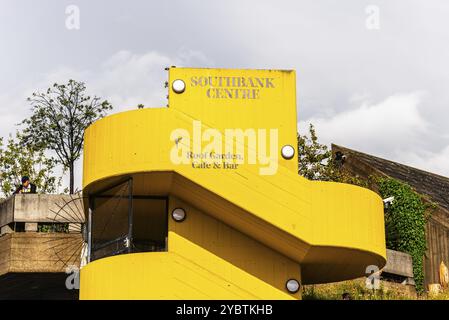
432 185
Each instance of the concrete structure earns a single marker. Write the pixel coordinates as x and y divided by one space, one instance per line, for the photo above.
186 202
399 266
32 262
32 209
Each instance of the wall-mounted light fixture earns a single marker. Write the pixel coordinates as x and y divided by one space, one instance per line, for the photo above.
292 285
178 86
178 214
288 152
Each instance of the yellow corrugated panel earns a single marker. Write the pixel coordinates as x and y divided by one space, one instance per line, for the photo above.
333 230
168 275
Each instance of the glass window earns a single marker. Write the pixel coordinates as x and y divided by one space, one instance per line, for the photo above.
110 221
123 222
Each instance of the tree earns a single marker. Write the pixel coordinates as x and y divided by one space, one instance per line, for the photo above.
314 158
17 160
60 116
315 161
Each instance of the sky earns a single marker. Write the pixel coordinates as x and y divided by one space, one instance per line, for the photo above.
371 75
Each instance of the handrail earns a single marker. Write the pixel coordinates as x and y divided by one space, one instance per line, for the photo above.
105 244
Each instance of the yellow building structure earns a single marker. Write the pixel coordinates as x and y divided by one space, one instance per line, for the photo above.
202 199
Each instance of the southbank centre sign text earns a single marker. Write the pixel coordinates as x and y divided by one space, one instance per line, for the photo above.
233 87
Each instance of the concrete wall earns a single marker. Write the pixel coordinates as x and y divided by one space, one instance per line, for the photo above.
6 211
5 253
33 264
39 252
41 208
399 263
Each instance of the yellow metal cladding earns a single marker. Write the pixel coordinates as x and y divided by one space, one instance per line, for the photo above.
223 98
206 260
325 231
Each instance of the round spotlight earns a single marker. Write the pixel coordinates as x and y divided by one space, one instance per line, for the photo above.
292 286
287 152
178 86
178 214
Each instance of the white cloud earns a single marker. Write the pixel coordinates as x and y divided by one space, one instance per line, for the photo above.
126 79
394 128
436 162
386 127
326 42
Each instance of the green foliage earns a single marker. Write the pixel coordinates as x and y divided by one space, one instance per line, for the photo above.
313 157
405 221
315 161
60 116
53 227
17 160
356 289
444 295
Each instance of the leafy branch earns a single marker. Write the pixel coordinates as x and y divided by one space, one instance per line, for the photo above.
59 117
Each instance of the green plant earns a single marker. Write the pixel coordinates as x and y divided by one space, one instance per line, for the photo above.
405 221
356 289
59 117
315 161
313 157
443 295
53 227
17 160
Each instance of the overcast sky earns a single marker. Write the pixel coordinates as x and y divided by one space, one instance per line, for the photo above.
376 85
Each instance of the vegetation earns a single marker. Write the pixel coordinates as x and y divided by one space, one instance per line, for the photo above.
444 295
314 158
59 117
315 161
405 221
355 289
17 161
53 227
